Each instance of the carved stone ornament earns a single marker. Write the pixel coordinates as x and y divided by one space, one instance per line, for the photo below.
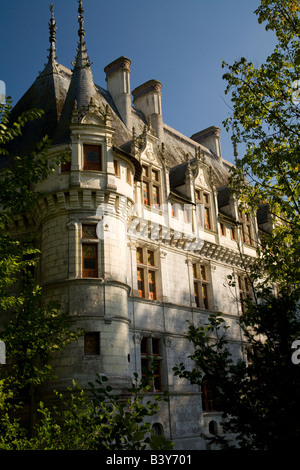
92 119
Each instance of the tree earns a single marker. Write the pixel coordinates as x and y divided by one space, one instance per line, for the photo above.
265 119
258 393
94 419
31 329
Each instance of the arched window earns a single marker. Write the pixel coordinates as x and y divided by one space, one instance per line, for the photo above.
158 429
213 427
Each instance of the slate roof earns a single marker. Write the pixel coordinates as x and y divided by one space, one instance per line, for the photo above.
57 88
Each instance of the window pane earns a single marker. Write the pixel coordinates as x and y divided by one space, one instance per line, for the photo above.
89 250
151 258
206 198
155 175
204 295
151 281
155 346
198 195
145 171
146 193
155 196
140 279
203 273
89 231
144 346
207 217
196 293
90 260
92 157
92 344
139 255
116 168
195 271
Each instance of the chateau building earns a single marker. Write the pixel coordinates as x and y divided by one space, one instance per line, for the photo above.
138 233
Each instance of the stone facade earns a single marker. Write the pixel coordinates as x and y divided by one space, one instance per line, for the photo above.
138 235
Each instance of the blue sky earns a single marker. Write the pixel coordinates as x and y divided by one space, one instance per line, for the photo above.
180 43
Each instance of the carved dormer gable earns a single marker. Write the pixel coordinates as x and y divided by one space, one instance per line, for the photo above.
147 148
203 177
91 115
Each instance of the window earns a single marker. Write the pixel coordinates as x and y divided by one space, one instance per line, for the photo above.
146 273
151 191
208 397
65 167
201 285
207 211
92 157
129 175
246 229
203 208
213 427
89 251
244 290
151 362
232 233
117 167
222 229
92 344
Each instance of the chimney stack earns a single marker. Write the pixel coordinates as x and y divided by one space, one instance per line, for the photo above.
147 98
118 85
210 138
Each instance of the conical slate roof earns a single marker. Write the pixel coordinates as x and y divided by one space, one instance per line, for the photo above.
82 88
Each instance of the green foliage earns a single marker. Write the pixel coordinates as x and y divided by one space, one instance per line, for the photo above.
31 329
258 394
265 120
94 419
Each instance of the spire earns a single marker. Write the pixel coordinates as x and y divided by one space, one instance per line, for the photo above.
82 59
52 39
82 90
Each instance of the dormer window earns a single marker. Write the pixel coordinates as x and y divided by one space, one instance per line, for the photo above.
203 207
246 229
92 158
151 193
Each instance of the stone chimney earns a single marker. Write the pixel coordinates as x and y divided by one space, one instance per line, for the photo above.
210 138
118 85
147 98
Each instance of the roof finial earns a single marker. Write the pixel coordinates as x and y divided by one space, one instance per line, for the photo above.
52 39
81 32
82 59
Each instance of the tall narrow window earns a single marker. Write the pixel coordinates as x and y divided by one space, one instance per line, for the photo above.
92 157
117 167
203 209
92 344
208 397
207 211
66 166
246 229
222 229
129 175
146 273
89 251
151 191
244 290
151 361
201 285
199 207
